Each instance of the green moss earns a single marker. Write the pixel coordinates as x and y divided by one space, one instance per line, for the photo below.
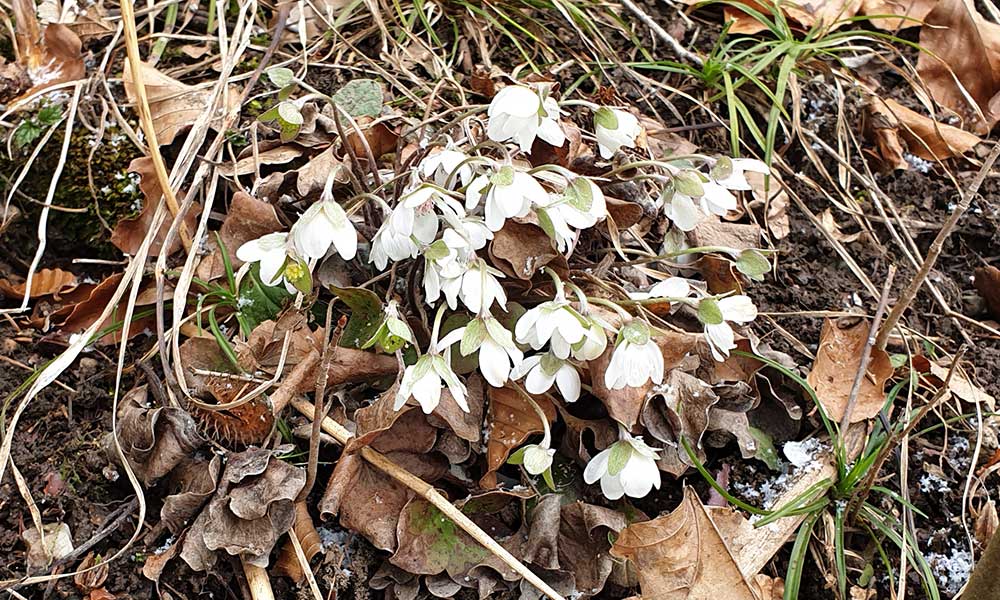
115 193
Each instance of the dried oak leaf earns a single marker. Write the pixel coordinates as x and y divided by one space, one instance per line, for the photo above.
625 405
287 563
679 410
682 556
154 439
511 419
247 219
924 137
987 282
251 509
837 362
173 105
962 63
45 282
368 501
192 483
129 234
914 12
521 249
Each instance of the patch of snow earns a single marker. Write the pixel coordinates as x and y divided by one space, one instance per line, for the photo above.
951 570
932 483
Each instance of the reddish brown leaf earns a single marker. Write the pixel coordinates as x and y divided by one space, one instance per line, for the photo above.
521 249
129 234
511 419
288 564
987 282
915 11
45 282
924 137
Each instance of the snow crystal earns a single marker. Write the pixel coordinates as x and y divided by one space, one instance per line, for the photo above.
920 165
932 483
951 570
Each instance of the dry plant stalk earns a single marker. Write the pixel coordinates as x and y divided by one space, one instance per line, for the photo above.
935 250
259 582
427 492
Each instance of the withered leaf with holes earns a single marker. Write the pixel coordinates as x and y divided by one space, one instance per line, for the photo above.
682 556
154 439
251 509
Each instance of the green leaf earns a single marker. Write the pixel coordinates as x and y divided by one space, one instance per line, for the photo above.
503 177
689 184
517 456
472 339
636 332
289 113
620 453
360 98
606 118
579 194
709 312
269 115
753 264
49 115
765 449
462 365
259 302
366 315
280 76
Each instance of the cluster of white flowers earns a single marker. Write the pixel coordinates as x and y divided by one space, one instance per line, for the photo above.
453 204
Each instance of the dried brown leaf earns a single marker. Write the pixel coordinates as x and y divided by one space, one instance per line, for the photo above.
287 563
837 362
924 137
584 544
192 483
173 105
129 234
154 439
680 410
511 419
915 11
830 13
248 162
313 175
467 425
683 556
521 249
45 282
987 282
90 580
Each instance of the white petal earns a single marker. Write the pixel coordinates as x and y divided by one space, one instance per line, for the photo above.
493 363
538 382
721 339
568 381
684 212
611 486
597 466
672 287
739 309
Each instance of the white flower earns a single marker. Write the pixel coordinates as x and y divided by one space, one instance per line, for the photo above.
594 341
447 164
554 321
581 205
635 360
442 265
423 382
324 224
729 172
497 352
627 467
671 287
536 458
714 315
402 234
689 199
278 263
509 193
478 288
543 370
615 128
519 113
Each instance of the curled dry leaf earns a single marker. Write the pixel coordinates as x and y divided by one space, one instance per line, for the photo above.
682 556
251 509
129 234
54 542
154 439
51 55
961 63
192 483
923 136
510 419
626 404
467 425
262 350
960 385
312 176
829 224
522 249
45 282
288 564
679 410
248 162
837 361
86 581
173 105
987 282
247 219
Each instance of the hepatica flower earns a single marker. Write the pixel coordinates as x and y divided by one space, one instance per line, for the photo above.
615 129
497 352
278 263
581 205
730 173
507 193
690 197
626 468
324 224
422 381
521 114
552 322
544 370
671 287
447 167
715 316
636 359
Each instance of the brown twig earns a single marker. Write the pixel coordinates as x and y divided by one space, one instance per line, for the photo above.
866 352
330 342
935 250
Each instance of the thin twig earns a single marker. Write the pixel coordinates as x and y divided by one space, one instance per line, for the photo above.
427 492
935 250
866 353
662 33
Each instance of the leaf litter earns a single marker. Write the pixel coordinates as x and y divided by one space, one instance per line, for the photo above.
493 291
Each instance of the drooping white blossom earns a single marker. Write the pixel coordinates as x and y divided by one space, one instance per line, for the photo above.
424 380
730 173
498 354
521 114
636 358
325 223
715 316
506 192
544 370
555 322
626 468
614 129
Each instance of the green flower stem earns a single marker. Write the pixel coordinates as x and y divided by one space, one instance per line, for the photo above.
557 281
612 305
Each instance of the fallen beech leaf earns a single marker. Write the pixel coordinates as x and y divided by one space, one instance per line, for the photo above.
510 419
960 385
679 410
682 556
287 563
252 508
882 127
915 11
154 440
56 543
924 136
987 282
93 579
313 175
247 219
45 282
961 62
837 363
521 249
626 404
129 234
248 162
192 483
172 104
